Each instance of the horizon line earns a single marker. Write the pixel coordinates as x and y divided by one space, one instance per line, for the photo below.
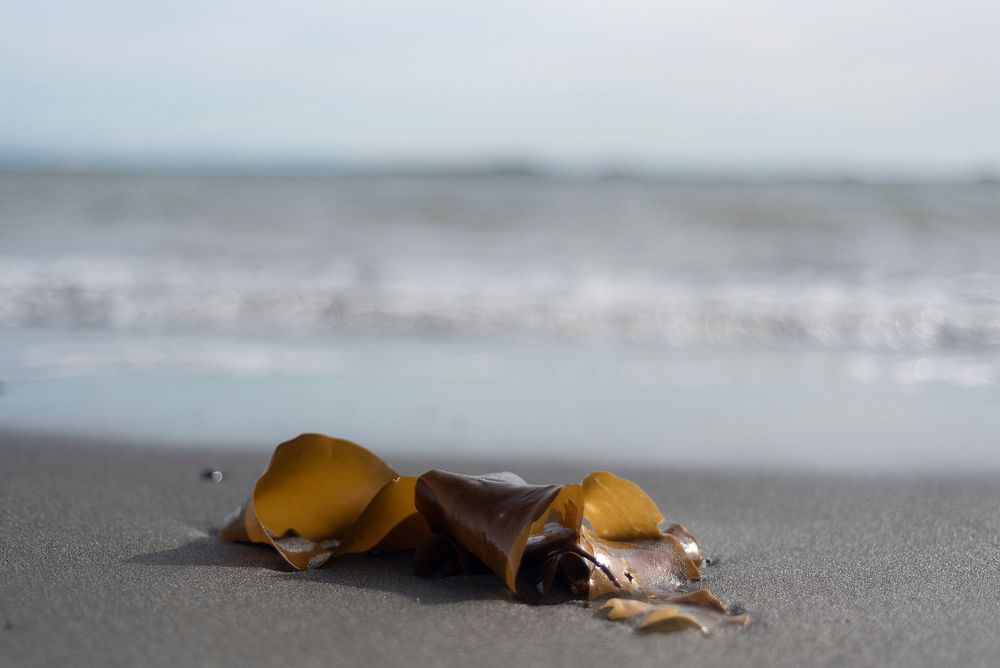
523 167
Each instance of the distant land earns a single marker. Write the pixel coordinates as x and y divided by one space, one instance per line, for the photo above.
21 161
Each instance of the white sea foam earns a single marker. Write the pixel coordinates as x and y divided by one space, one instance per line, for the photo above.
915 314
893 268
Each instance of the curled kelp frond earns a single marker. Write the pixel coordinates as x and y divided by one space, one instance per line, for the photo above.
618 509
698 609
390 522
687 541
533 535
647 567
603 538
316 497
492 518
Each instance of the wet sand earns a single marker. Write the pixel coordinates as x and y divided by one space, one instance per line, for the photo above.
108 559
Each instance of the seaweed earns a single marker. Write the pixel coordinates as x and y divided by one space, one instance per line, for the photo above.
602 539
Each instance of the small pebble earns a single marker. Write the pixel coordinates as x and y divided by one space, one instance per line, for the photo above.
214 475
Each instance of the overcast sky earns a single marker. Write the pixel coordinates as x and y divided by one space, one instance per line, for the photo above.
883 83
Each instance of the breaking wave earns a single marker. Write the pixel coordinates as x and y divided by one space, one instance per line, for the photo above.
787 310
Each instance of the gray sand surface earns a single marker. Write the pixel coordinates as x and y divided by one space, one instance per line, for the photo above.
107 559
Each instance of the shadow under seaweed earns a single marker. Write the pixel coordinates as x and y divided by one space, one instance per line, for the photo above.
388 572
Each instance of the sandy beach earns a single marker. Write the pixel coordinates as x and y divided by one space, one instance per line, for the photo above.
749 260
109 558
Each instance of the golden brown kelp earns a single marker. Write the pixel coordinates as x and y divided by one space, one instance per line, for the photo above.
603 537
323 496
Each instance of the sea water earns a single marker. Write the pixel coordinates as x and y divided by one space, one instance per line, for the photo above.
850 326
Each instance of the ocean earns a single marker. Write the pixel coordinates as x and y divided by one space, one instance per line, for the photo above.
846 326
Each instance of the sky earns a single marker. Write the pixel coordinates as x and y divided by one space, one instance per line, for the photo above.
715 83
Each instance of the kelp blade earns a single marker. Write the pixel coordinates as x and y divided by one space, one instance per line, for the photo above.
312 493
317 487
492 518
618 509
699 609
389 522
